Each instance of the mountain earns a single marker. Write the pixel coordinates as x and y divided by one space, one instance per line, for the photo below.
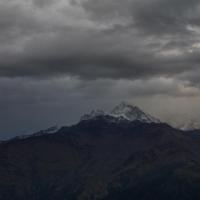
189 126
104 157
50 130
123 112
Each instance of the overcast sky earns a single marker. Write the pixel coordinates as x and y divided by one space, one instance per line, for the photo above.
62 58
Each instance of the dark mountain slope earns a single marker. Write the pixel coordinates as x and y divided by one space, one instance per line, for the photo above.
101 159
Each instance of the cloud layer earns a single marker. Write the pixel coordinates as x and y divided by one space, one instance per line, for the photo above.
97 50
99 39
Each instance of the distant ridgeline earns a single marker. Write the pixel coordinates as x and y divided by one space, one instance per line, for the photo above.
124 154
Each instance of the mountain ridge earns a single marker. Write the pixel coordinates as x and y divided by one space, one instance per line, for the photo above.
123 111
99 159
102 158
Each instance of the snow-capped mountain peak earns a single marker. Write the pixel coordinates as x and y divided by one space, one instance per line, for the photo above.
189 126
123 111
132 113
93 114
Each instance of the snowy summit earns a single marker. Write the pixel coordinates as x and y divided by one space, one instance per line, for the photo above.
123 111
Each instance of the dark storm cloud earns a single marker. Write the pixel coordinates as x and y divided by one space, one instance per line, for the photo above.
43 3
99 39
166 16
61 58
153 16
